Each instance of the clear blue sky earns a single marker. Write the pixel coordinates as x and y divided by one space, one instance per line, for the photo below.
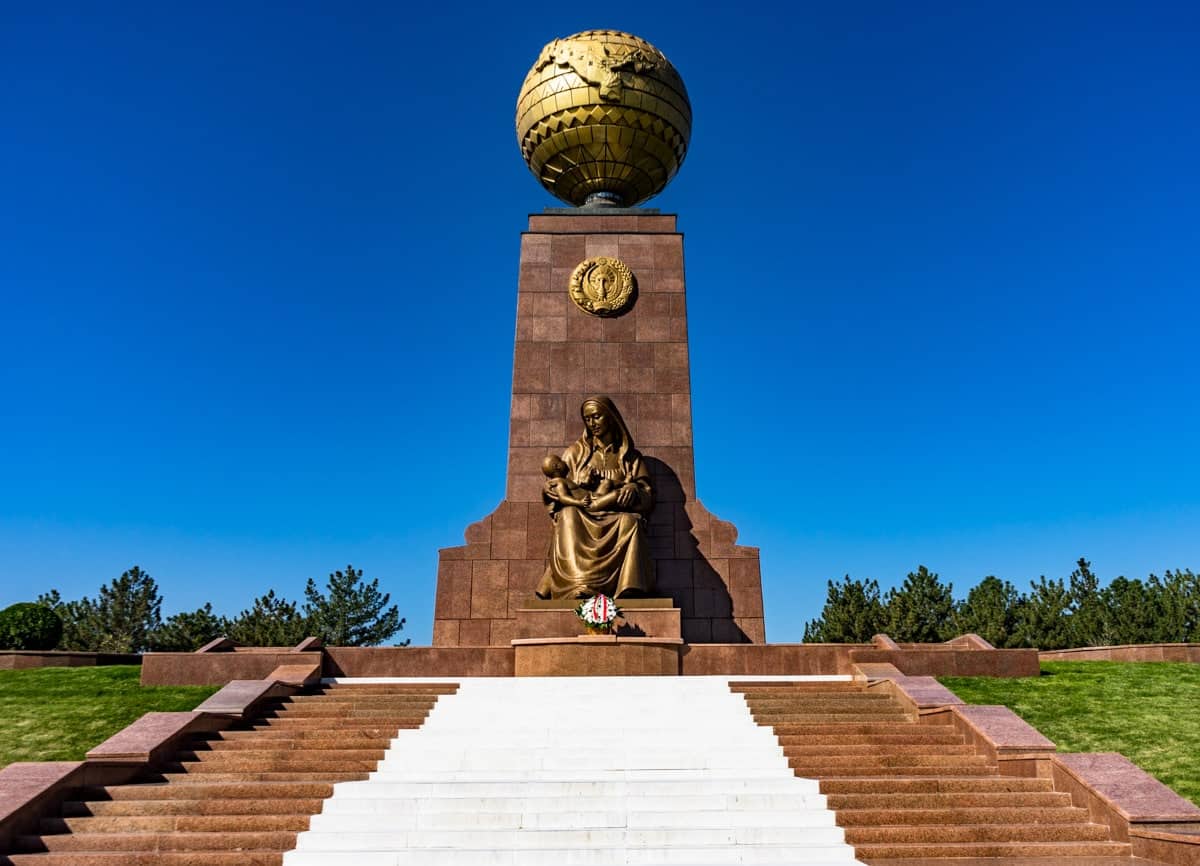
258 270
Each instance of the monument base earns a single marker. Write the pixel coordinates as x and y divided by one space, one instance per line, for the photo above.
642 617
597 656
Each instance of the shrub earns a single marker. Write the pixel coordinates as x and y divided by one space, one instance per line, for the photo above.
29 626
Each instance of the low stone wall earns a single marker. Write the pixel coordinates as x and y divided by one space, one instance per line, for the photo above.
218 668
221 662
937 660
15 660
1141 652
419 661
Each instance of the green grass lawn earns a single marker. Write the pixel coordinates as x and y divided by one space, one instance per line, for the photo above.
57 714
1149 712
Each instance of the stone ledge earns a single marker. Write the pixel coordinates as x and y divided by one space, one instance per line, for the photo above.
1127 789
237 698
654 622
597 655
535 603
923 694
1142 652
597 638
151 738
13 660
216 667
27 789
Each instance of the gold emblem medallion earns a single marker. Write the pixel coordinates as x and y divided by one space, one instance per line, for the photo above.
602 286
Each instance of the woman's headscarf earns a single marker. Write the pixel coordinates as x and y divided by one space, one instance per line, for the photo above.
624 446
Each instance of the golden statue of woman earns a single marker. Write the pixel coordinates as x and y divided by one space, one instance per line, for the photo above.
599 507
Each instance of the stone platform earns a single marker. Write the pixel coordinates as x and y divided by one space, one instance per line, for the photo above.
597 655
966 656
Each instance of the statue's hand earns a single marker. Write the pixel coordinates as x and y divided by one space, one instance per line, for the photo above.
627 496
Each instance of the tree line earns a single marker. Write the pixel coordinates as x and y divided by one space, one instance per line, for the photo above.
1053 614
126 617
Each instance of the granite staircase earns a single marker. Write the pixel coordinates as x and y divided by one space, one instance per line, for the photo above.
591 771
240 796
910 794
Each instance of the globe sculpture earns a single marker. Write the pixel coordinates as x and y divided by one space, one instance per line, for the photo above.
603 118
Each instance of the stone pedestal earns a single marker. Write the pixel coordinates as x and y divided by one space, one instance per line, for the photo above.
597 656
643 617
639 359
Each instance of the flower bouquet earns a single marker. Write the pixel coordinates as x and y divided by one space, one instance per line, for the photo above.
598 613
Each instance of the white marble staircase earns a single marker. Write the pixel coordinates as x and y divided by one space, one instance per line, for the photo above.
590 771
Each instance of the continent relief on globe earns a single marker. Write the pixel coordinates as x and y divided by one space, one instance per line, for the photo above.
603 118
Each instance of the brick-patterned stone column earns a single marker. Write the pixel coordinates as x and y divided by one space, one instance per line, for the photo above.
640 360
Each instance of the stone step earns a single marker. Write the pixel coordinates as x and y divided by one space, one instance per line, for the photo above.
105 842
1018 861
734 806
325 715
586 838
386 688
753 855
743 686
832 762
207 788
300 735
285 719
572 819
775 719
156 858
190 779
503 785
1075 831
332 743
837 727
903 771
871 749
909 817
173 823
532 760
1048 852
347 711
350 699
849 804
912 735
224 755
898 785
301 763
861 699
692 776
241 806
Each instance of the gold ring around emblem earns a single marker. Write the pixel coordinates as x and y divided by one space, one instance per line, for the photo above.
602 286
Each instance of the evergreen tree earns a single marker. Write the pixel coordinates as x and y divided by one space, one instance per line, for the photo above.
1132 613
269 621
128 612
1178 594
351 612
853 613
991 610
78 619
189 630
122 619
1043 621
921 610
1088 623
